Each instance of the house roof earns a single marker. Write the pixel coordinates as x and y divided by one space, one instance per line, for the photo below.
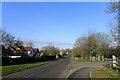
36 49
28 48
16 48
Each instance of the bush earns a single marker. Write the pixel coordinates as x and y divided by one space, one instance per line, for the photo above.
24 60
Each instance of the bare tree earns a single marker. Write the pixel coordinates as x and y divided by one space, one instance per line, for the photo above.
0 35
76 52
30 44
103 43
7 39
19 42
51 50
88 43
94 43
91 42
114 8
80 42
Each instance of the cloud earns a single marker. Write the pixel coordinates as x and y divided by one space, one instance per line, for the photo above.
38 43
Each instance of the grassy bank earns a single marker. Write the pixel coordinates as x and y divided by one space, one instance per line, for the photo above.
103 73
15 68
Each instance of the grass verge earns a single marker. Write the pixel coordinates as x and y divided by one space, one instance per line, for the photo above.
15 68
74 60
103 73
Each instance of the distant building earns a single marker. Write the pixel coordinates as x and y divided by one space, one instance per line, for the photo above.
36 50
30 51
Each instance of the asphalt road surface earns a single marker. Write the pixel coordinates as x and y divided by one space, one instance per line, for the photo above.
81 73
55 69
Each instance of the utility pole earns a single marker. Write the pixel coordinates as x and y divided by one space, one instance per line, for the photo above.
118 44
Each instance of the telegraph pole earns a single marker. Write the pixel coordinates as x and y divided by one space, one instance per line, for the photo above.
118 45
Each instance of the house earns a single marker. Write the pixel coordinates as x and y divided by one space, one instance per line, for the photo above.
30 51
12 51
36 50
16 50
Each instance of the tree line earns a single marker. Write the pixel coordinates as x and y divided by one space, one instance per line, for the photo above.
96 44
8 40
11 46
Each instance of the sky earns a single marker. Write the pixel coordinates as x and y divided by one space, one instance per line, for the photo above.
58 23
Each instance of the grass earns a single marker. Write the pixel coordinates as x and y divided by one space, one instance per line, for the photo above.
73 60
103 73
15 68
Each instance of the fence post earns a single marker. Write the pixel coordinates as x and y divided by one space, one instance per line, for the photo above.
114 61
110 64
102 58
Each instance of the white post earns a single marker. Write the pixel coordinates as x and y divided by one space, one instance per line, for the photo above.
57 56
102 58
114 60
98 58
93 58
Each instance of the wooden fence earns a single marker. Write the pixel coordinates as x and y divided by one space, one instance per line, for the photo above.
113 63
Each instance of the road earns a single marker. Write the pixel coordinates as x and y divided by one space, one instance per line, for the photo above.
55 69
81 73
61 68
